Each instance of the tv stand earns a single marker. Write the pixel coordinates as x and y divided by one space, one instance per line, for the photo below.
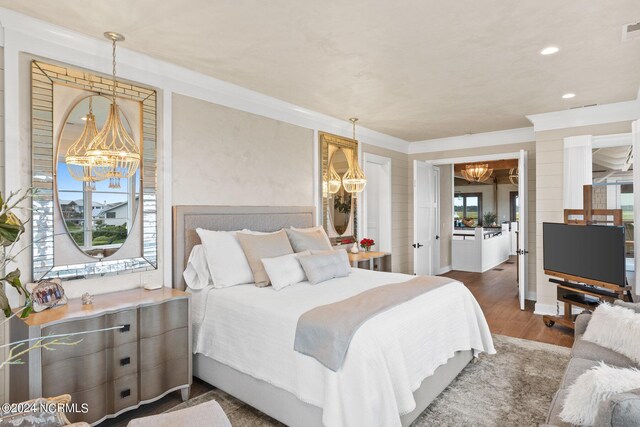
579 291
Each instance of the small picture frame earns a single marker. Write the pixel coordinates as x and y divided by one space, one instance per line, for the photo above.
47 294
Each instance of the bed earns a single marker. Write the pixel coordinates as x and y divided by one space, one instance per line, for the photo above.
397 362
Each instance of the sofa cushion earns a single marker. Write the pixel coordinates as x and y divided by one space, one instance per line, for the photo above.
620 410
576 367
588 350
553 417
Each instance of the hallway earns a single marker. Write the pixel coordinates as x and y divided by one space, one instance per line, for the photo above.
497 294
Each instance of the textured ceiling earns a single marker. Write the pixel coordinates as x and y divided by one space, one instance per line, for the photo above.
416 70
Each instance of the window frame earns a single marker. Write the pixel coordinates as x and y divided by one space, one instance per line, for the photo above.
464 204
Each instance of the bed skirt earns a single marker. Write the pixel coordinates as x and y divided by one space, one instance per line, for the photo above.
288 409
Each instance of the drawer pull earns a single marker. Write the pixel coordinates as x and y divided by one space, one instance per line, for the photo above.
125 361
125 393
125 328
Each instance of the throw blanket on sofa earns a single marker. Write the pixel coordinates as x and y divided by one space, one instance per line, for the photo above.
325 332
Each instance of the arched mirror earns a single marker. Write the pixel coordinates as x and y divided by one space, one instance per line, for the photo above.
340 200
339 207
98 215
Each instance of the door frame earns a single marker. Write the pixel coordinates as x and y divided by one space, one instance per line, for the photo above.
386 164
435 262
467 159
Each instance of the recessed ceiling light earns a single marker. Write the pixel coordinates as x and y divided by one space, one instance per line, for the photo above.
568 95
549 50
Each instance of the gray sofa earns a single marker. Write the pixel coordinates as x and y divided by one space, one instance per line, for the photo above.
621 410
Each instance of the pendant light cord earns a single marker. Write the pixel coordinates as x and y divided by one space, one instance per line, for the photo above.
114 68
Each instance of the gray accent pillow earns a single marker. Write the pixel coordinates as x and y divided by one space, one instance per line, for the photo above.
622 409
313 240
258 246
635 306
325 266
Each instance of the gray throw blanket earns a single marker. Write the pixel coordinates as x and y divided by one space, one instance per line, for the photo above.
325 332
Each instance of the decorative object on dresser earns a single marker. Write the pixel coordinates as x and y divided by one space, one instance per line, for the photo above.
146 355
595 271
366 244
378 261
46 294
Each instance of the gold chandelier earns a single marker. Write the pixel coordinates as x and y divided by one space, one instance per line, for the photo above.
354 180
113 152
513 176
331 183
79 164
476 172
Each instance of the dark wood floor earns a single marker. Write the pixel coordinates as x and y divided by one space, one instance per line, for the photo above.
497 294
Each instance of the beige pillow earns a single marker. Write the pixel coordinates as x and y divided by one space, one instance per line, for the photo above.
258 246
312 240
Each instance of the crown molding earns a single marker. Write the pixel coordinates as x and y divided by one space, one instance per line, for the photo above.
33 36
486 139
598 114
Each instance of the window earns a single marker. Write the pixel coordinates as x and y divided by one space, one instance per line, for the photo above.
468 206
111 215
514 206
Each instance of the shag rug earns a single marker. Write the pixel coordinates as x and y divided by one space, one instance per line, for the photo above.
511 388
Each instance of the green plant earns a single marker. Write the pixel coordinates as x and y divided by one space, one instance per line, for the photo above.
11 229
489 218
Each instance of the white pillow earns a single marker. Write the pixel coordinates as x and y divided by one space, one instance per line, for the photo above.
616 328
284 270
325 265
226 260
593 387
197 275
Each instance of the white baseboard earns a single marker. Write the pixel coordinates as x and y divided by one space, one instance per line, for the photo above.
531 296
444 270
552 309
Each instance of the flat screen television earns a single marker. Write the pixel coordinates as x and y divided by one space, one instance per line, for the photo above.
592 252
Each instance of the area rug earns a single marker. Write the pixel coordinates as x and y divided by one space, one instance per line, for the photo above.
511 388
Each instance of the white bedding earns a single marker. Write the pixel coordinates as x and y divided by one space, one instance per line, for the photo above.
252 330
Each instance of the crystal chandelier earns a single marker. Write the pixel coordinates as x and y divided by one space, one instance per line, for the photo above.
476 172
113 152
331 183
354 180
79 164
513 176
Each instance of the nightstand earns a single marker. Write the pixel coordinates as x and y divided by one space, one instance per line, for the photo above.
145 354
378 261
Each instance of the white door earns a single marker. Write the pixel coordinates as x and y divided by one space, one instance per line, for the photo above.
426 188
636 203
376 214
523 238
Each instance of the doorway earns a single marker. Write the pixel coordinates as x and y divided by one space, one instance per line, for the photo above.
377 201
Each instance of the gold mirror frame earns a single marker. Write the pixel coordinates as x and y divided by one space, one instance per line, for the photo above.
43 78
326 140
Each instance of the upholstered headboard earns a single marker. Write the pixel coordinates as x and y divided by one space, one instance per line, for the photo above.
228 218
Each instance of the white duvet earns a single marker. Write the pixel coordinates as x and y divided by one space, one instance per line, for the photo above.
252 330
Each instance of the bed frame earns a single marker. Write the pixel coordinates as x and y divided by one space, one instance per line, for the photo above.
273 401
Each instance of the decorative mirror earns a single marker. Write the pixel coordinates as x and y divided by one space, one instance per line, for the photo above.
339 207
87 223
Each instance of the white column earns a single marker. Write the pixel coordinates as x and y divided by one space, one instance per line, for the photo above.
577 169
635 135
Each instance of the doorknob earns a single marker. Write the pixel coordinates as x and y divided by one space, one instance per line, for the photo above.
437 237
417 245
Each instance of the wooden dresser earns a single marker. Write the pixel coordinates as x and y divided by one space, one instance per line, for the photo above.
147 356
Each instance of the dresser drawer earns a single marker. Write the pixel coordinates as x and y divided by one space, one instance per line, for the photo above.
74 374
157 319
123 360
126 318
96 403
124 393
89 343
157 380
170 346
